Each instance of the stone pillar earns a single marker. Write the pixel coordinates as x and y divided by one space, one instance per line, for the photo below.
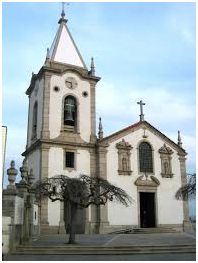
28 128
23 192
31 178
23 188
46 104
44 224
186 223
9 196
102 211
90 226
93 137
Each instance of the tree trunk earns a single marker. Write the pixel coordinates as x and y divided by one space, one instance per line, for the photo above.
72 228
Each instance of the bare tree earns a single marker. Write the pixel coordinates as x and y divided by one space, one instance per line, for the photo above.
79 192
189 190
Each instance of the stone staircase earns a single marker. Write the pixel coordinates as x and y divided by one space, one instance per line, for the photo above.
103 250
145 230
154 230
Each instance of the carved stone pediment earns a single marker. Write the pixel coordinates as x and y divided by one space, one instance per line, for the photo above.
142 181
123 145
165 150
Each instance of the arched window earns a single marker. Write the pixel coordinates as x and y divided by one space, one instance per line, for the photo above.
145 157
34 121
70 111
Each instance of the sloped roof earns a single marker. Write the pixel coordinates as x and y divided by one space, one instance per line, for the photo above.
127 130
64 49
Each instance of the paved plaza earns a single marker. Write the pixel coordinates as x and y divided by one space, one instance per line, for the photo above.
117 243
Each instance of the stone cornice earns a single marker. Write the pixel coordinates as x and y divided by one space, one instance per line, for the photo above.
60 69
51 142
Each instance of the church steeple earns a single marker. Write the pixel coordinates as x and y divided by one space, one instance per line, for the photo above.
64 49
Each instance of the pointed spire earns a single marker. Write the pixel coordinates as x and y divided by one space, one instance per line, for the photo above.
179 140
92 71
62 19
63 48
100 129
47 57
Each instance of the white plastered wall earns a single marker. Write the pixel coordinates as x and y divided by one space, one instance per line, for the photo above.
169 210
36 95
34 163
56 167
56 105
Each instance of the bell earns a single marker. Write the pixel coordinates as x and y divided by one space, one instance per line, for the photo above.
69 110
68 115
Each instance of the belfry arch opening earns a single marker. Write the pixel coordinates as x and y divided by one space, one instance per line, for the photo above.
70 111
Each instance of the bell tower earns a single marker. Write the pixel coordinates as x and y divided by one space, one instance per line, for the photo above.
61 133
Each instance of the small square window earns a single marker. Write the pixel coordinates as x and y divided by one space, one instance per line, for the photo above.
69 159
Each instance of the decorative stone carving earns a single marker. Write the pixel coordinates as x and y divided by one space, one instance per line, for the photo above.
166 167
12 173
143 180
144 135
124 164
24 172
31 177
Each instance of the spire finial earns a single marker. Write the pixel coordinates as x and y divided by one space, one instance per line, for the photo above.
63 10
141 103
179 140
92 67
100 129
62 19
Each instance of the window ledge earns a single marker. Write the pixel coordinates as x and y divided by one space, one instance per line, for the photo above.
167 175
70 169
121 172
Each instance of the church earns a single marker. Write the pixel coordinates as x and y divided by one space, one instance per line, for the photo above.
62 139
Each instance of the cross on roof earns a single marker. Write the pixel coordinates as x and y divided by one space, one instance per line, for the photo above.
141 103
63 10
62 19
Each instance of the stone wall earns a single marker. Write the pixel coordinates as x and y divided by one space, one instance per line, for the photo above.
19 224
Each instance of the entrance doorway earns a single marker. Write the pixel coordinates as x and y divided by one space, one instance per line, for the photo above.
147 209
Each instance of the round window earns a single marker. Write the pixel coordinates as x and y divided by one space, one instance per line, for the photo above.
56 89
85 94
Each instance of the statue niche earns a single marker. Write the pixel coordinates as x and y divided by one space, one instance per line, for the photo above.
124 164
166 167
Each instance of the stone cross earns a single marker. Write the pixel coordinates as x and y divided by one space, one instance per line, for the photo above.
63 14
141 103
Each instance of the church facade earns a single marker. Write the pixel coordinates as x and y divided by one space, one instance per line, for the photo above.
62 139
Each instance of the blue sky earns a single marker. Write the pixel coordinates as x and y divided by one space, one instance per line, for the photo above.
142 51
